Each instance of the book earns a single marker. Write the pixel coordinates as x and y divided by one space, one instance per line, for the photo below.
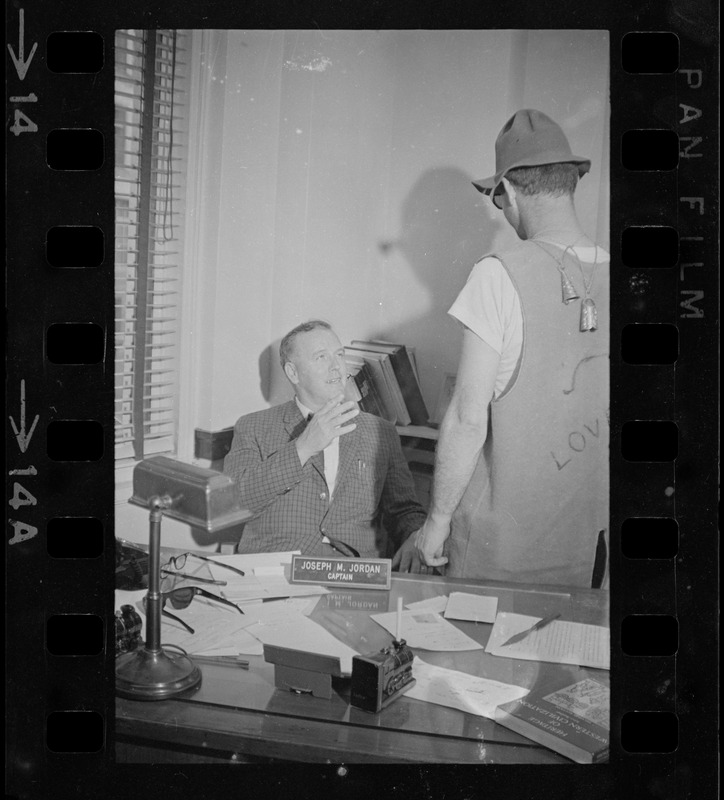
406 378
413 360
380 363
385 382
361 388
572 719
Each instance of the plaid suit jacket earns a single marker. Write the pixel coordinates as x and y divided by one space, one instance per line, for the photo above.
291 502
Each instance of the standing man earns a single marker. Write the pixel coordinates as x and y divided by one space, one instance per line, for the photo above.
321 475
521 475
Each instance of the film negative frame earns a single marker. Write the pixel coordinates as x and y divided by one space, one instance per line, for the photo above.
59 456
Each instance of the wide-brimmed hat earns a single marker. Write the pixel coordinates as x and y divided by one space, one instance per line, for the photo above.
529 139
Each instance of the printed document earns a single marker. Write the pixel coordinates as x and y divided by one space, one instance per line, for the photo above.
561 642
448 687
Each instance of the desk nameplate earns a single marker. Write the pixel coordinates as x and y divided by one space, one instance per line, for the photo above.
358 573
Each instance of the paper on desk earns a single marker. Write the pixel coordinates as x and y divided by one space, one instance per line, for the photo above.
265 571
239 590
561 642
217 630
249 562
436 604
266 577
297 632
471 607
427 631
448 687
273 610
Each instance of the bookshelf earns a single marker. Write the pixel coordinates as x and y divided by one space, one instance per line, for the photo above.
418 445
418 432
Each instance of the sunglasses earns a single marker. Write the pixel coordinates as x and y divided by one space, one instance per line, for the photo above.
497 199
179 562
182 597
342 547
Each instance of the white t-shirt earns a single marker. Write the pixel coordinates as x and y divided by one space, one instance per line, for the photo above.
489 305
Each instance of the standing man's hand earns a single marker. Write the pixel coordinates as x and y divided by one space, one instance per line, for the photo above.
430 540
407 559
332 420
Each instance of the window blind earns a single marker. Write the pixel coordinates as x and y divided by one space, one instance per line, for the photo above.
150 104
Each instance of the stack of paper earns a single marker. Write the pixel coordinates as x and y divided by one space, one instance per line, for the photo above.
267 577
218 629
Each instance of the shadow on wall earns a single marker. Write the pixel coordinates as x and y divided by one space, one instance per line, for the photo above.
273 383
447 225
268 360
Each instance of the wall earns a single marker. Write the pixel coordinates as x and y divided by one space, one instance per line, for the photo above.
331 178
578 62
347 163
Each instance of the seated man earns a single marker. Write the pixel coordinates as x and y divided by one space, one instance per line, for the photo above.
320 474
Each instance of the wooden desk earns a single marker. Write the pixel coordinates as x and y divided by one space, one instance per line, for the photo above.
238 716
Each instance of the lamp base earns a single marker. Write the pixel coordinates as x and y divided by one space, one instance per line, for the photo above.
148 675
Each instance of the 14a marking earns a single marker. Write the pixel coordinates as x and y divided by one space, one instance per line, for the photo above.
22 531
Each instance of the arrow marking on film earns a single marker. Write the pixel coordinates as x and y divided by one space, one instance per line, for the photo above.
20 435
21 65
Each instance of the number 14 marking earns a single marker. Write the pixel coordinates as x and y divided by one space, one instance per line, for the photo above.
22 122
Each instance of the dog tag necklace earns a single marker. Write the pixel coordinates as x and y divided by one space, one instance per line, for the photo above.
589 314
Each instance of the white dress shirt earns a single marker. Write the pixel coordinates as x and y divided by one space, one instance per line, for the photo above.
330 452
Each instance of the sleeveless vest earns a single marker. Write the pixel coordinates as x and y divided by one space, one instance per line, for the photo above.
538 497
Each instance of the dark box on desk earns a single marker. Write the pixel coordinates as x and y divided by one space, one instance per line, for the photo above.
380 678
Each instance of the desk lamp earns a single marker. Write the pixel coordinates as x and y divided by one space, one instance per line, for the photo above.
204 499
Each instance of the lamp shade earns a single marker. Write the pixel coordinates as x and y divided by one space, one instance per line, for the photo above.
202 498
